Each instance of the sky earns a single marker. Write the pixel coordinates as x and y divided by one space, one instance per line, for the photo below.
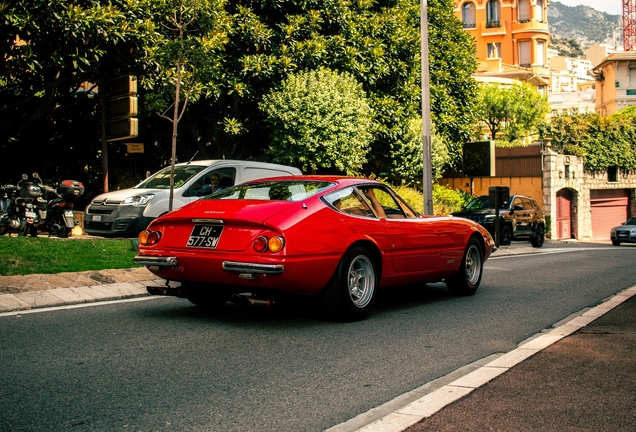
614 7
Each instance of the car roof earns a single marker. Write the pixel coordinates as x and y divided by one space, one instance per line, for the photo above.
209 162
340 180
511 196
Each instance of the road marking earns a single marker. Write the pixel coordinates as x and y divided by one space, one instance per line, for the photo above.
77 306
528 251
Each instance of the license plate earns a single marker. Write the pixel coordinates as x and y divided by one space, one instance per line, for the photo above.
621 234
96 218
29 214
205 236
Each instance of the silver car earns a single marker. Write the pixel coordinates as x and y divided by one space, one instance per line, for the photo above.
626 233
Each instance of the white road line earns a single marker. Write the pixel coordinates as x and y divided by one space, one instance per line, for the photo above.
77 306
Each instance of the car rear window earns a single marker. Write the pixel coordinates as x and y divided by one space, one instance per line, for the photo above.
280 190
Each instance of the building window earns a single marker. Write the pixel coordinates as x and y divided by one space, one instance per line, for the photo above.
539 11
540 60
612 174
524 11
493 15
632 78
494 50
525 58
468 15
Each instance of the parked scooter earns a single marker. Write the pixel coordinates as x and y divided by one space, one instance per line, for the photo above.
38 207
59 208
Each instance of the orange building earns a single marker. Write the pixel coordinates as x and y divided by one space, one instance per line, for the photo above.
515 31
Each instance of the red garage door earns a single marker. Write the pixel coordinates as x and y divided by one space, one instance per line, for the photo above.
610 207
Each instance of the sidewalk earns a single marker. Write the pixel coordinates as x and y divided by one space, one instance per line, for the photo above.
40 290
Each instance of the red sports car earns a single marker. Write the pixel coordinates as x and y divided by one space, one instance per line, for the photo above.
337 238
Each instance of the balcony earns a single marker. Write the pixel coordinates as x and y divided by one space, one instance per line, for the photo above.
493 28
530 26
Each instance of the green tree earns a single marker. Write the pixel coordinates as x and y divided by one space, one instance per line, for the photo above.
50 49
192 36
376 42
517 110
603 142
319 120
408 154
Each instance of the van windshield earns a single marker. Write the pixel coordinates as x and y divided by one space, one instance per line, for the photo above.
161 179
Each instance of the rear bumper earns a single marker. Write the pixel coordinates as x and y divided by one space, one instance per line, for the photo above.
156 261
229 266
283 274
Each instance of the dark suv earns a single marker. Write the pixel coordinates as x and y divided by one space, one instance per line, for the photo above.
522 220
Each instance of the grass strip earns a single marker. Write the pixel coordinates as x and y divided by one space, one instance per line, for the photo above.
39 255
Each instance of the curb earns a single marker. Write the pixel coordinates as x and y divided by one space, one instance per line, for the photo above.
74 295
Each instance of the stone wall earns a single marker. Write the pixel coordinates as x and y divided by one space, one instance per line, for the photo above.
568 172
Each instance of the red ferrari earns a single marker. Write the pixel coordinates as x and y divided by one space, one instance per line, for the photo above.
339 239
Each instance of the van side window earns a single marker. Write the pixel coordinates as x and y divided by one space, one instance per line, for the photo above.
205 186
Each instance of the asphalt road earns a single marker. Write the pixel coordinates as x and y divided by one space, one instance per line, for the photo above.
163 364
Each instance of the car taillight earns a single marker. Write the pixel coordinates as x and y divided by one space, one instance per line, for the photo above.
149 238
263 244
276 244
260 244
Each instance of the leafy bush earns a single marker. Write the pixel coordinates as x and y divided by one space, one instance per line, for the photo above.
320 120
445 200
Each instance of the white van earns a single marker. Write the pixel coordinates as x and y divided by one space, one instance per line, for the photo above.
127 212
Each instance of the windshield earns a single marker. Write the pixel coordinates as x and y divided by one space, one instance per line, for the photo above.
161 179
281 190
631 221
478 203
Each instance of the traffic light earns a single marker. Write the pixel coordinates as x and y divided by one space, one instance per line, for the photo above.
122 109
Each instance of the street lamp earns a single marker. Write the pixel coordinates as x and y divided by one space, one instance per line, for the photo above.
427 181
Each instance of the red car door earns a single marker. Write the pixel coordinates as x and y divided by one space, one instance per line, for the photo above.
415 244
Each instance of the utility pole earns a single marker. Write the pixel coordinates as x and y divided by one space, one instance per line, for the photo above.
427 181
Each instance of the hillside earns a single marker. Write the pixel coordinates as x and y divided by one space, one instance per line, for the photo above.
583 24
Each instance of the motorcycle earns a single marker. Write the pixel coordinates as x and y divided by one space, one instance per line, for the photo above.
59 219
8 216
38 207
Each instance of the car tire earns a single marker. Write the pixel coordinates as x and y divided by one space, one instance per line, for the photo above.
505 236
616 243
206 296
467 279
352 290
539 237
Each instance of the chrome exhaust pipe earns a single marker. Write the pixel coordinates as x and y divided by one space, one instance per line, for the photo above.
249 300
